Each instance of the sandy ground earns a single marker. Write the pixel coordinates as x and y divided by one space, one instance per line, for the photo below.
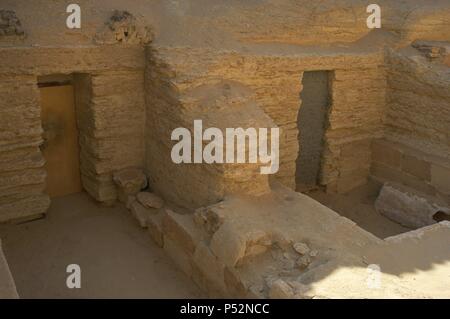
358 205
117 258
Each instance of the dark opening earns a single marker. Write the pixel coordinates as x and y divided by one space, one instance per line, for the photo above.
311 123
441 216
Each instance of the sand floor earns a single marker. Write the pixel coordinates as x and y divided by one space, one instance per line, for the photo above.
117 258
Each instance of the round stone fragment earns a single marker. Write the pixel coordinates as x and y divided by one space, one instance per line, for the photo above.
301 248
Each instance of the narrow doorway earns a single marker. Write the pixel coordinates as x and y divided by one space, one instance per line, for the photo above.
311 121
60 147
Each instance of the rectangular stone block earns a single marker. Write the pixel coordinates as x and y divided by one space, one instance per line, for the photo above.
385 173
409 207
178 255
416 167
180 229
349 182
7 285
385 153
210 268
440 178
154 228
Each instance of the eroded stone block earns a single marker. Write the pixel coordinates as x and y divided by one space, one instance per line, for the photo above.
150 200
281 290
407 206
210 266
129 181
141 213
154 228
440 178
181 229
10 25
123 27
228 245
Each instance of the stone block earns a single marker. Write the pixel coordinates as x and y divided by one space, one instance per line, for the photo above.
129 181
385 153
210 218
383 173
407 206
178 255
235 286
440 178
154 228
149 200
209 265
181 229
281 290
228 245
416 167
141 213
301 248
350 181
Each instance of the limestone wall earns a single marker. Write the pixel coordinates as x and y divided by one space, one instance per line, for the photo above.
228 44
415 150
111 120
22 175
111 124
418 112
356 118
358 93
412 167
220 104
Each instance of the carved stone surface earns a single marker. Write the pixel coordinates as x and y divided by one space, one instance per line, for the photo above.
123 27
10 25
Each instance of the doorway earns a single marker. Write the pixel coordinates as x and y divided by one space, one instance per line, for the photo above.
311 123
60 147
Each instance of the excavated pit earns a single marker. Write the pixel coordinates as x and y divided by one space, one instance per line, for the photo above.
363 117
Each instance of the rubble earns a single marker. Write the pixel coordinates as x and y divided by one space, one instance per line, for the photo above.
129 181
301 248
149 200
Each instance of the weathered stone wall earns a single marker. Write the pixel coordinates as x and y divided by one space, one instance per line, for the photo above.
238 44
22 173
111 123
356 118
415 150
358 94
218 103
394 162
111 120
418 112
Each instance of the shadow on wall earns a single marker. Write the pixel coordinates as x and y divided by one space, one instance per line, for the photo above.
311 122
